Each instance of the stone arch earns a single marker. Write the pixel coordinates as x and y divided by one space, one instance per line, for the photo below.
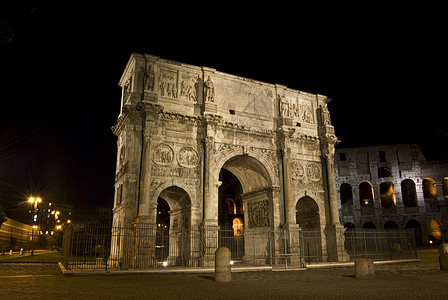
429 188
256 196
387 194
308 218
176 197
250 170
255 161
415 225
366 198
307 214
384 172
365 192
346 194
390 225
434 228
172 243
408 193
349 226
369 225
445 187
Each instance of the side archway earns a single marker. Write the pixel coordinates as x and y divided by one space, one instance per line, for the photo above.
308 218
173 226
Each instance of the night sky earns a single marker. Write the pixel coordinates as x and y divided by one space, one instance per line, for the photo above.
60 63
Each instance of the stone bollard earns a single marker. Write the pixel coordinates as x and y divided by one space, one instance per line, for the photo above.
443 256
364 268
222 265
21 251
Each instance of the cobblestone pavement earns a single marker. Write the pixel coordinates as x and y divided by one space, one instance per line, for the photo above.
45 281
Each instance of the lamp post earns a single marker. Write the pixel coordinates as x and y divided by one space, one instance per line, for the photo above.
34 201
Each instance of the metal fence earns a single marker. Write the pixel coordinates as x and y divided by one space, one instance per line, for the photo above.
375 244
145 247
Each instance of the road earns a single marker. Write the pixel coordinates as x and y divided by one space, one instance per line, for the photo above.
421 280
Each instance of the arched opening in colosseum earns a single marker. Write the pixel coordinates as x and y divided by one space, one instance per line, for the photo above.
366 198
346 199
387 194
173 224
429 188
408 193
390 225
445 187
369 225
415 226
434 229
384 172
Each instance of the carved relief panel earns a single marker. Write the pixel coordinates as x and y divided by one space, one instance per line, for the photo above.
189 86
298 109
258 214
306 176
165 169
167 83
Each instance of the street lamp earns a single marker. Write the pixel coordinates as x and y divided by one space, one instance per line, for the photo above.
34 201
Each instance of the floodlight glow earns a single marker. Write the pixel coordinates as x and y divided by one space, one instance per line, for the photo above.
165 264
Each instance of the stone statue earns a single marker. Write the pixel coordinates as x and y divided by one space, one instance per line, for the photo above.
149 80
325 115
209 90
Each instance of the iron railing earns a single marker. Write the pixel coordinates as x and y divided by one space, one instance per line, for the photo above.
142 246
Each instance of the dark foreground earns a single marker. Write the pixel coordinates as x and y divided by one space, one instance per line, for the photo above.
407 280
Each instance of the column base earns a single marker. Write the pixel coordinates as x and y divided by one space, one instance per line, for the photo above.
335 239
209 231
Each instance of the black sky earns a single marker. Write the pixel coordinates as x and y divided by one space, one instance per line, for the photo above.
384 68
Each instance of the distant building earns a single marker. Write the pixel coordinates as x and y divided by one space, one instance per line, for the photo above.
49 217
393 186
15 235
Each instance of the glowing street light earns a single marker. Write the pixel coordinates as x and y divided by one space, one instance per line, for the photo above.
34 201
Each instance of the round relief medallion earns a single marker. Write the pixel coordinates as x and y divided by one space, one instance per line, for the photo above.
188 157
296 169
162 154
313 171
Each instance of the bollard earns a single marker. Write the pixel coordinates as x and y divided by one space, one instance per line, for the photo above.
10 252
443 256
364 268
222 265
21 251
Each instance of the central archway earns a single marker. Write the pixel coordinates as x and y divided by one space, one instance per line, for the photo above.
245 208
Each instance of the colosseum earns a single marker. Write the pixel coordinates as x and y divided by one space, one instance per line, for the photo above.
393 186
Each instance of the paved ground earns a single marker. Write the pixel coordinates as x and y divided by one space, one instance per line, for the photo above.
408 280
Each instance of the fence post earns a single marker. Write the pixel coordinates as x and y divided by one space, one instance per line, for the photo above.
66 245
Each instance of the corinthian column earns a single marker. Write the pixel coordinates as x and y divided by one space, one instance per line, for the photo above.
332 190
210 189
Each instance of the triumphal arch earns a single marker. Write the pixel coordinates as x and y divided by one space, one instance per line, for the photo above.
210 150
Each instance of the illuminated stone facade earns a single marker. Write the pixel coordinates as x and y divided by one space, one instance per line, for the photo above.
189 135
393 186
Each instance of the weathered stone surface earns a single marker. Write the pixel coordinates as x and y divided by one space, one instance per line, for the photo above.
223 272
364 268
392 186
180 126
